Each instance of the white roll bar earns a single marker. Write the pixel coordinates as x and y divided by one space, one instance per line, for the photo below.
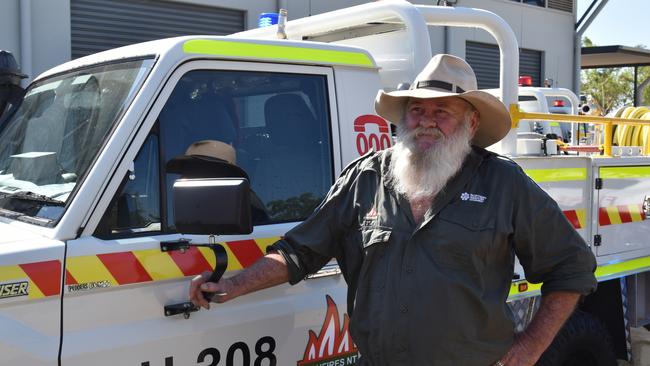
416 18
355 16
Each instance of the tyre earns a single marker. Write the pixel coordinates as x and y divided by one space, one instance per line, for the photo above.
583 341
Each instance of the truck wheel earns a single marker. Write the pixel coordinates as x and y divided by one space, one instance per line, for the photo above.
583 341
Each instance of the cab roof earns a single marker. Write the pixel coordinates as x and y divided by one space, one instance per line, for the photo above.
176 50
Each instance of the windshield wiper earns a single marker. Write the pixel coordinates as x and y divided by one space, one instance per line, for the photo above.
34 197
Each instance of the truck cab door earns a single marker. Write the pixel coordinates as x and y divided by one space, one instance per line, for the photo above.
280 121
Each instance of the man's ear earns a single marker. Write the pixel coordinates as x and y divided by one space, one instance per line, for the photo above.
473 121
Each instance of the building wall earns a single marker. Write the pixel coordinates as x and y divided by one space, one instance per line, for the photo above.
51 34
10 27
536 28
547 30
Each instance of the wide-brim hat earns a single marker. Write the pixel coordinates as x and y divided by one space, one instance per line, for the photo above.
450 76
207 159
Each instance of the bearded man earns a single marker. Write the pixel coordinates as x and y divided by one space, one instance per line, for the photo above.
426 234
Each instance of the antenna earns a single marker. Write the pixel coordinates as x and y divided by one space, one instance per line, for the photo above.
282 23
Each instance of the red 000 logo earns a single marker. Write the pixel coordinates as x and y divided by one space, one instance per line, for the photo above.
369 140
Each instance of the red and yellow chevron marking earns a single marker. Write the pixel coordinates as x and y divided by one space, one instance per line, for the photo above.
621 214
154 265
610 215
577 217
44 277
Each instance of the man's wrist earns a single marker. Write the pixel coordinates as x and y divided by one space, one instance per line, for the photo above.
529 345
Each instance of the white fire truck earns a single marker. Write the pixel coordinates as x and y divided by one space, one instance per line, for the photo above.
95 267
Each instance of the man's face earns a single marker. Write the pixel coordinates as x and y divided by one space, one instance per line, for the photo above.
434 118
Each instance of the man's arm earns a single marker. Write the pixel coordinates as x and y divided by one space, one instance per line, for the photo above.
555 309
268 271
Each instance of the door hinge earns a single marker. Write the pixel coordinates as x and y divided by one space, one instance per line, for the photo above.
597 240
599 183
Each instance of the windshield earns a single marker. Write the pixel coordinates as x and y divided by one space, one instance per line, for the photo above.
49 142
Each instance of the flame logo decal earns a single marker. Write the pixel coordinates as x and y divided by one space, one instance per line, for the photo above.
334 341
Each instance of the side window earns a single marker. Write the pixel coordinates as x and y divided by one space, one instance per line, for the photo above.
136 206
276 126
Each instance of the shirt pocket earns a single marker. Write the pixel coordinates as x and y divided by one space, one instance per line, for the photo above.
375 242
463 238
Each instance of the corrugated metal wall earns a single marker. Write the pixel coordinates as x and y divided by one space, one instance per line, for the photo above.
484 59
98 25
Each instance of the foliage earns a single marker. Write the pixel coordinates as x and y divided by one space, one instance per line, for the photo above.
613 88
294 207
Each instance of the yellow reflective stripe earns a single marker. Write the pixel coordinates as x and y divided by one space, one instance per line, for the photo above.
89 268
603 272
15 273
635 212
632 265
10 273
531 287
556 175
208 255
266 242
554 124
277 52
625 172
159 265
614 217
582 217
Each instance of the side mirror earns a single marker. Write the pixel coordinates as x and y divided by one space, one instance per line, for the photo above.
208 206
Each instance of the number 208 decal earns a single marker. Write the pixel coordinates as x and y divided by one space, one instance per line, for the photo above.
239 352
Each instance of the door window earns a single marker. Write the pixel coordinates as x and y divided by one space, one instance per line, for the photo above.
136 207
275 126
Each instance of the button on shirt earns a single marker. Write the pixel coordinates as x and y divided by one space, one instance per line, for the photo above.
435 293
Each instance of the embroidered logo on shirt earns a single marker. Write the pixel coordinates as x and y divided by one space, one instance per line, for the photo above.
372 214
472 197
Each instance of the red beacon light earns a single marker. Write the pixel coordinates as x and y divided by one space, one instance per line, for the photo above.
558 103
525 80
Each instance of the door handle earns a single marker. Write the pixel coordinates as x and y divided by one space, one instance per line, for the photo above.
221 264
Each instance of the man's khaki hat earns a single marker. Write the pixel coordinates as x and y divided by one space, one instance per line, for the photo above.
214 149
450 76
207 159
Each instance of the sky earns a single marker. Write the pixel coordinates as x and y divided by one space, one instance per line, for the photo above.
620 22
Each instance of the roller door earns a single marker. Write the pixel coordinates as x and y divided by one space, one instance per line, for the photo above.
98 25
484 59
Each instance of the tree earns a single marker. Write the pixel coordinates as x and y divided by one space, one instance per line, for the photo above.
294 207
613 88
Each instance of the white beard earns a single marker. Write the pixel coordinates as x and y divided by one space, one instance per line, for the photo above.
422 174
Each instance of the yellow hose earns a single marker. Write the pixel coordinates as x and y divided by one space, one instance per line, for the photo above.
625 135
645 135
635 131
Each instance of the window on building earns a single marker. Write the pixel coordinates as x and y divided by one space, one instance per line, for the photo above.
563 5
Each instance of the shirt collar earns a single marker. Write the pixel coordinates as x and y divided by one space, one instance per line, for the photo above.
454 185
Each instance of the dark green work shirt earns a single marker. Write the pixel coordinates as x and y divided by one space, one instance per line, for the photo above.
435 294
